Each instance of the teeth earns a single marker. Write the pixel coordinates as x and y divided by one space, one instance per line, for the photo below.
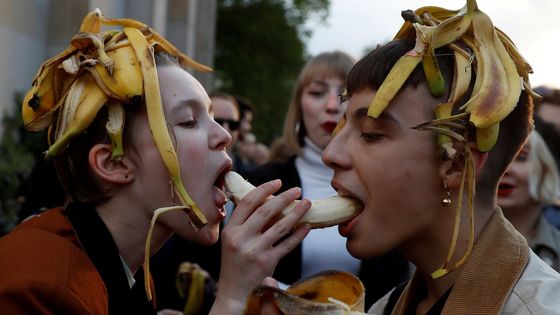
323 212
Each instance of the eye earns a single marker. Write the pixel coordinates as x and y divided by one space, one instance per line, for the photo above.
370 136
189 123
316 93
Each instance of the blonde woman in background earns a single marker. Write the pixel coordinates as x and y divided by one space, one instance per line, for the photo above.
530 183
295 158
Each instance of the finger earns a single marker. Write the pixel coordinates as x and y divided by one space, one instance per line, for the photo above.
287 245
253 200
268 306
284 226
264 214
271 282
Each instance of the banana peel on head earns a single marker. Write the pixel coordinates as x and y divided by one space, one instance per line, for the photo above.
500 75
329 292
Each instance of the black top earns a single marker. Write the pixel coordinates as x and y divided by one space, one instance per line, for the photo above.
436 309
98 243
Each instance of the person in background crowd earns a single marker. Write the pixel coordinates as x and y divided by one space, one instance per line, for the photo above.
226 113
246 113
295 158
261 154
548 108
530 183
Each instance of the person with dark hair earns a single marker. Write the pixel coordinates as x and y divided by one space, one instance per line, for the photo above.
548 108
295 158
423 146
133 185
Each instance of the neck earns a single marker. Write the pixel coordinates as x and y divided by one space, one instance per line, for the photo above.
129 226
430 251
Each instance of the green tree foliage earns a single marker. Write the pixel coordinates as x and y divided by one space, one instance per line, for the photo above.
260 50
18 150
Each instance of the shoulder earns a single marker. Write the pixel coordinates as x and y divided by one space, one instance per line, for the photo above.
284 170
536 291
43 264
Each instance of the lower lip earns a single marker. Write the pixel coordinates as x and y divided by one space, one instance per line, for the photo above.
505 192
346 229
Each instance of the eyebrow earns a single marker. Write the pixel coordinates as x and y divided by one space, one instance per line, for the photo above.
192 103
361 113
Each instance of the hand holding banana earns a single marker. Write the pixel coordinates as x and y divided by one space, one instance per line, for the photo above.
323 212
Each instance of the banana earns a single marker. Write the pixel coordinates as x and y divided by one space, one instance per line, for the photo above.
323 212
196 291
125 83
400 71
500 85
115 127
83 102
445 33
329 292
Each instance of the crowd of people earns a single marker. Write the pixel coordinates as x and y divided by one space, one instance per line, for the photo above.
448 226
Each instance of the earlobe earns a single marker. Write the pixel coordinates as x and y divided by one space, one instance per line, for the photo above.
452 171
113 171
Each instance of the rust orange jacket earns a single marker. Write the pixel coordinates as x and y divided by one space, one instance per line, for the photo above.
64 261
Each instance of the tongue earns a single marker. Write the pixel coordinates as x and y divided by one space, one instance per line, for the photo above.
219 198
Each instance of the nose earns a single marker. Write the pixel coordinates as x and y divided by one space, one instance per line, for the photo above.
333 104
336 154
220 138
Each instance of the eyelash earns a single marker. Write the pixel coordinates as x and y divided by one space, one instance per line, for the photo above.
316 93
189 123
370 137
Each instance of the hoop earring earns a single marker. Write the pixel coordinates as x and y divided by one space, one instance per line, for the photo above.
446 201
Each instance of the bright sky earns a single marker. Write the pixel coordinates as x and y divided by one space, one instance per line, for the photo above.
533 25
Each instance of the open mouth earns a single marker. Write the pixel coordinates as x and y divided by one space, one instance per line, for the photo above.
329 126
220 197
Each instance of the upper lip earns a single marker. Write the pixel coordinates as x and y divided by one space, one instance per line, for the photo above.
225 168
342 191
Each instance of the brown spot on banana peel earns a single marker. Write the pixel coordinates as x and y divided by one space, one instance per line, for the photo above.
323 212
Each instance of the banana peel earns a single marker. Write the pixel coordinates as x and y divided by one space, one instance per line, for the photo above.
329 292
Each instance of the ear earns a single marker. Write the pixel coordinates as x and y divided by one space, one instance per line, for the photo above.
115 171
451 171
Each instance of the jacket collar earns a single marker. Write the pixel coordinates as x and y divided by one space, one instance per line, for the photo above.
499 256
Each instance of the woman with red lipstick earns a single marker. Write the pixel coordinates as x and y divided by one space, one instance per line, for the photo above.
429 185
530 183
313 113
83 258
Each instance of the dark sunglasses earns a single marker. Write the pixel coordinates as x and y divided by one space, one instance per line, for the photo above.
232 124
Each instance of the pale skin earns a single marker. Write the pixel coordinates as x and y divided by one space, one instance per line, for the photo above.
321 108
139 184
395 171
519 207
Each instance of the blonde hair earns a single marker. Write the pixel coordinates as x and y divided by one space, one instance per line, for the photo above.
544 181
327 64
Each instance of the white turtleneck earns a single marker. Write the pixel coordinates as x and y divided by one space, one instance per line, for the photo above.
322 248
